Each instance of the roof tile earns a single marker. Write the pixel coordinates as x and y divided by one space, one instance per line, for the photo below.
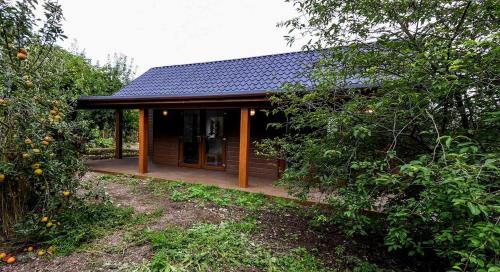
247 75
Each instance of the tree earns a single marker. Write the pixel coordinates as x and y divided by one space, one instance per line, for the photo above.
403 120
78 76
39 139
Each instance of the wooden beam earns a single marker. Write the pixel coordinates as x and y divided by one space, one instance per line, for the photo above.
118 134
143 140
244 147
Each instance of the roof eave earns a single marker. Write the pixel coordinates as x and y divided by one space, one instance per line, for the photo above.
131 102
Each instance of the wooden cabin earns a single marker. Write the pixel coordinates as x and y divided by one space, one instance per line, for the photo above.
207 115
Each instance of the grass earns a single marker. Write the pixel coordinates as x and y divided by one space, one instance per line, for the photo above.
222 247
76 226
80 226
180 191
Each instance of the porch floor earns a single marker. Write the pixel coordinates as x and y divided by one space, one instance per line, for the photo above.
192 175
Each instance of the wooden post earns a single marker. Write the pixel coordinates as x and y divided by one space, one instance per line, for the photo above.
244 146
118 134
143 140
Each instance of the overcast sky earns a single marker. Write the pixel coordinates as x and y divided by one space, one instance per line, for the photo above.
167 32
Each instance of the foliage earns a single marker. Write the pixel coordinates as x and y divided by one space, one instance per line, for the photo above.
222 247
402 119
39 141
81 77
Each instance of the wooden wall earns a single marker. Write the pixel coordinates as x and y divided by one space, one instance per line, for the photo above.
167 130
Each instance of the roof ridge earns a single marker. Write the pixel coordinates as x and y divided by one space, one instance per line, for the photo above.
235 59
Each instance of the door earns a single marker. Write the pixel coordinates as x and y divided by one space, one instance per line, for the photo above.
215 143
190 147
202 144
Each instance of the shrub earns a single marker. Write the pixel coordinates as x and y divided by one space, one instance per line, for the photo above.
401 119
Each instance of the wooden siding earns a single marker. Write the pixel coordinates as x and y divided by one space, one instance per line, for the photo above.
166 130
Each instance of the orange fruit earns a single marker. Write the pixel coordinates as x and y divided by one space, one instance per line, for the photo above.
66 193
11 260
40 252
44 219
23 50
51 250
29 84
38 172
30 249
2 255
48 139
21 56
26 156
2 177
28 141
36 150
45 142
50 224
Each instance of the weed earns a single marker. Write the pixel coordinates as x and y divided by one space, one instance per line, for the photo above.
161 188
75 226
180 191
223 247
125 179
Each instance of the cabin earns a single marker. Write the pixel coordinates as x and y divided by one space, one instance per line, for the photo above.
207 115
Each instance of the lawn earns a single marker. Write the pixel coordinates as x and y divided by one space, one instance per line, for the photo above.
153 225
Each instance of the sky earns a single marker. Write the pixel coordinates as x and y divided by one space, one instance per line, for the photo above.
167 32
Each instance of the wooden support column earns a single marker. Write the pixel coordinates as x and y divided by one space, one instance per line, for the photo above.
143 140
244 147
118 134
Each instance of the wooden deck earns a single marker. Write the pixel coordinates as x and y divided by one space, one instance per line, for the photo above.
191 175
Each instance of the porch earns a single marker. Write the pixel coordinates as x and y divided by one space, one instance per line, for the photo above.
196 140
191 175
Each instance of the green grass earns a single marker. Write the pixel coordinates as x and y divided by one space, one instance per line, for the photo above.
222 247
180 191
120 179
80 226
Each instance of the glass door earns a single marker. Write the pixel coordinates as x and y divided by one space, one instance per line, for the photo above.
190 151
215 143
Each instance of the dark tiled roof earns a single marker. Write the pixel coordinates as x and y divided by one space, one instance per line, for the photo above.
238 76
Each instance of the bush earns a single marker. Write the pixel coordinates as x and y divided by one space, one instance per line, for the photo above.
401 119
